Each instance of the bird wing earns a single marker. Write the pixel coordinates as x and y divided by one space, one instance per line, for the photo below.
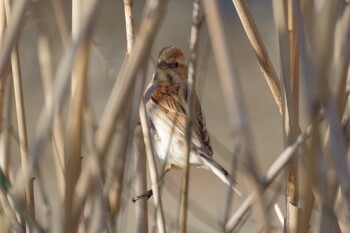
172 107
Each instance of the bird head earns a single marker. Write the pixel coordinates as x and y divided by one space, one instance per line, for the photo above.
171 65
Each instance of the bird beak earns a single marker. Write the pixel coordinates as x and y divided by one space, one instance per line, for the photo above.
162 65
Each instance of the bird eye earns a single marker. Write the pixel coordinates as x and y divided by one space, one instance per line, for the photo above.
176 64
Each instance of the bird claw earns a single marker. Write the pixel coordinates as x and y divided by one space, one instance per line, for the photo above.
147 195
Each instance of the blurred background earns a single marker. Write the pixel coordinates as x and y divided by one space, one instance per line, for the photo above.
208 195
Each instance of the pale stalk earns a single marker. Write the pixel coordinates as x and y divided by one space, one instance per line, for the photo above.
284 18
191 84
260 51
78 95
11 37
21 119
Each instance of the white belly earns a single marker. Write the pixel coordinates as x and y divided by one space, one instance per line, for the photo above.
169 144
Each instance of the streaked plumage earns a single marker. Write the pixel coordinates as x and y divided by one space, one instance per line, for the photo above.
166 101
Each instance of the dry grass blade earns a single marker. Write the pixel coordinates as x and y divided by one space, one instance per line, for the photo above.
260 51
234 101
191 80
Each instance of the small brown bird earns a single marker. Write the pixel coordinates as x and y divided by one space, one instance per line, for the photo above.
166 100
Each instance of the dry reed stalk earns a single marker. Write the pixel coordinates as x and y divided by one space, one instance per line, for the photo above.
342 58
129 26
78 95
152 169
21 119
11 36
5 142
141 207
117 161
91 171
284 17
141 210
191 80
154 13
260 51
61 22
278 165
238 118
2 82
5 103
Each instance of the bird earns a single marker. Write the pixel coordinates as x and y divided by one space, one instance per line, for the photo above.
166 99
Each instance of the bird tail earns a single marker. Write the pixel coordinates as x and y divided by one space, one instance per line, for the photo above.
220 172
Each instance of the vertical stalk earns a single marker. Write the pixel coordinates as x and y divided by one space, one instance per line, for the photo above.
141 207
21 119
191 80
284 18
141 210
61 22
5 103
75 118
152 169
